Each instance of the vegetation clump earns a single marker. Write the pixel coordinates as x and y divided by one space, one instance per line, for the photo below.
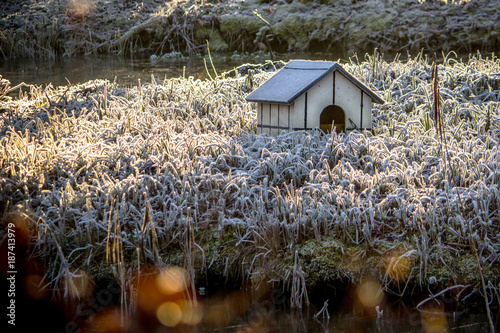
172 173
52 28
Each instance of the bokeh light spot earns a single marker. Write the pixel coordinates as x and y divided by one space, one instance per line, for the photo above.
434 321
191 315
172 280
79 9
109 320
169 314
33 284
370 293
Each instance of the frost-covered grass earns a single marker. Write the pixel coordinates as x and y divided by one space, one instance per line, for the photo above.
113 180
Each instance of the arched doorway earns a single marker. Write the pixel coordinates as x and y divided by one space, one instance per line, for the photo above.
332 114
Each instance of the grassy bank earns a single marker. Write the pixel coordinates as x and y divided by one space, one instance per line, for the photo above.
106 181
52 28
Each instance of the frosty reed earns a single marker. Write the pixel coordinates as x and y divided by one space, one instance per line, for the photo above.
120 181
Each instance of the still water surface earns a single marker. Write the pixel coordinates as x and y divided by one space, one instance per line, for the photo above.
395 320
126 71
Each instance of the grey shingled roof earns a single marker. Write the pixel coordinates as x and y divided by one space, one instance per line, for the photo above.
297 77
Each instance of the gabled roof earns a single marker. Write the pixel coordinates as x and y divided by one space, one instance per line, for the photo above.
297 77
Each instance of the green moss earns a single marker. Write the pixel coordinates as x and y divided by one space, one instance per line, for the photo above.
377 21
466 267
217 43
234 24
442 268
299 29
445 267
295 30
221 250
215 39
332 260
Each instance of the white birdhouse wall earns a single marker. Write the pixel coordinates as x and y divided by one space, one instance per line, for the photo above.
356 104
274 118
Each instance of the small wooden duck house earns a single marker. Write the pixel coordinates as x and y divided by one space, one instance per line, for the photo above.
305 95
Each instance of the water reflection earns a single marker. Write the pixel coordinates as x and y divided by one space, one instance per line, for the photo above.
165 304
81 69
263 318
126 71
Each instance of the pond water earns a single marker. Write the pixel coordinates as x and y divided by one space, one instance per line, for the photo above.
81 69
266 317
125 70
396 319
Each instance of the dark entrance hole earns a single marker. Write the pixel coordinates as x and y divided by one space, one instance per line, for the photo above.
332 114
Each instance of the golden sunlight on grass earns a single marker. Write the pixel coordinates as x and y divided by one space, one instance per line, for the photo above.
78 284
398 268
21 222
79 9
